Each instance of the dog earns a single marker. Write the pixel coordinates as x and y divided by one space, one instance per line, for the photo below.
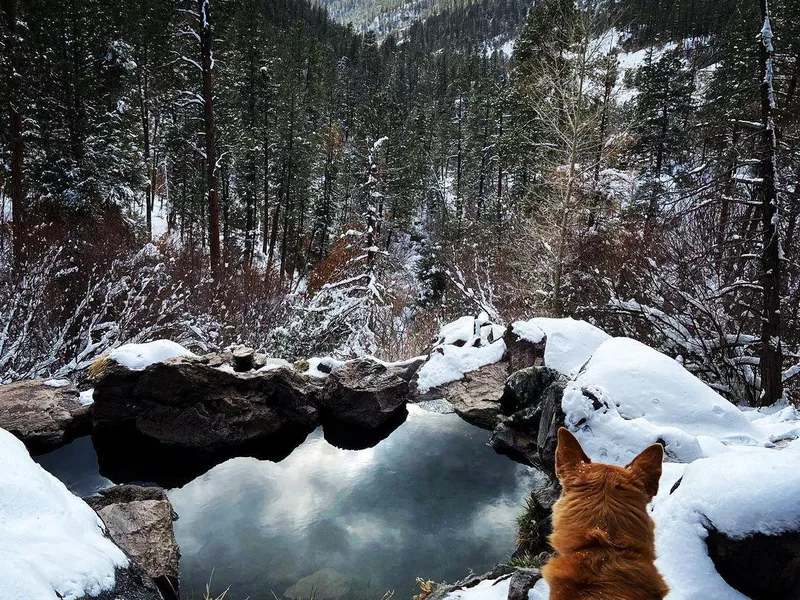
603 536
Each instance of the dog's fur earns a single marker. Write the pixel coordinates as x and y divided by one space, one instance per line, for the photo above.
602 533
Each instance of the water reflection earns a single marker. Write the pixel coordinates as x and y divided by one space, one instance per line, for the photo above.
76 466
432 500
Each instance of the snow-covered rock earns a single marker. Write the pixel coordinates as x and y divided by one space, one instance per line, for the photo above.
451 363
642 382
141 356
735 493
52 545
570 343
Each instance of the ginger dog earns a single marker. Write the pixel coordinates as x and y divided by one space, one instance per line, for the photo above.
602 533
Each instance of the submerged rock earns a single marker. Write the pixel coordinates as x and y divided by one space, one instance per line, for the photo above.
44 417
325 584
139 520
760 566
363 393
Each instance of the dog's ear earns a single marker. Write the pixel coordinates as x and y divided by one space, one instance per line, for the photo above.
646 468
569 455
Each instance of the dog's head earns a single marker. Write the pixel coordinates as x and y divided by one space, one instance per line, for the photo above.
603 503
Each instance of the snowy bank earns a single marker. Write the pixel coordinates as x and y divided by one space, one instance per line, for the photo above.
52 545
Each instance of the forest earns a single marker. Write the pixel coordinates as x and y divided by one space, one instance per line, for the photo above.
223 172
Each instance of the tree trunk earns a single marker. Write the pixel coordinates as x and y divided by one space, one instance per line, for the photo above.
210 126
16 123
771 351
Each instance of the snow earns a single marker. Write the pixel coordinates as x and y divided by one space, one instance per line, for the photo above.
645 383
276 363
570 343
733 475
451 363
479 343
329 364
52 545
738 493
141 356
489 589
58 383
86 397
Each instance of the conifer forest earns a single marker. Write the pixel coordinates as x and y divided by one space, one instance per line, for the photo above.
343 177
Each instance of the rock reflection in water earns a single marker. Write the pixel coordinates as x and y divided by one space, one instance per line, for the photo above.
432 500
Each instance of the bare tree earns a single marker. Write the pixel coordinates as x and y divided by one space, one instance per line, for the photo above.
771 350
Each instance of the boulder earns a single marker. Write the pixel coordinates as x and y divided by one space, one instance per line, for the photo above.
522 582
139 521
530 436
476 397
522 353
363 393
192 415
42 416
526 388
760 566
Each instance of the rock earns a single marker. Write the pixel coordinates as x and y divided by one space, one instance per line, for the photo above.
530 436
193 416
526 387
405 370
139 520
42 416
243 359
522 582
216 360
131 584
521 353
259 360
363 393
476 397
761 567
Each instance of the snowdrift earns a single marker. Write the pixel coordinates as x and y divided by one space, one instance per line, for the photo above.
52 545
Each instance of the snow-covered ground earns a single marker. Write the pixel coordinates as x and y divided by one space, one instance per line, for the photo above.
739 467
51 543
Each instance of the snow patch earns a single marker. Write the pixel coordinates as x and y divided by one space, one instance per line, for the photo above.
451 363
52 544
58 383
141 356
86 397
489 589
570 343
